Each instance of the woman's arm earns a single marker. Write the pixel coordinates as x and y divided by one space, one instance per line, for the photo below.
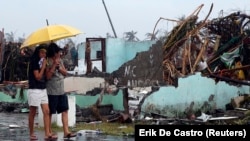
39 74
62 69
50 70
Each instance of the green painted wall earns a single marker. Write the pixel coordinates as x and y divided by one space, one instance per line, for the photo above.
118 51
192 92
18 99
115 100
81 100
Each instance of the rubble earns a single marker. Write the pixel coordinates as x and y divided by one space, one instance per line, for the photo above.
218 48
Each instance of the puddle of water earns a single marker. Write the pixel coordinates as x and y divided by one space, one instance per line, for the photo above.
21 133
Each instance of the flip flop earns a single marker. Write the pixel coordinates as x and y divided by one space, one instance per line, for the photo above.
69 135
33 137
51 138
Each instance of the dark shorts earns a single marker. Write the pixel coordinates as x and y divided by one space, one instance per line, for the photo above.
58 103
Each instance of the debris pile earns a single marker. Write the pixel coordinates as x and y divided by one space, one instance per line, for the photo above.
218 48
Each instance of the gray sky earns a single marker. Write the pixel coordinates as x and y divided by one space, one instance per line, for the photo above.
25 16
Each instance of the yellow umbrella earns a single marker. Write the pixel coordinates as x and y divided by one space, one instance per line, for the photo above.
50 33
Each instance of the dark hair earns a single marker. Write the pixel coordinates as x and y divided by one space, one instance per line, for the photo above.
53 48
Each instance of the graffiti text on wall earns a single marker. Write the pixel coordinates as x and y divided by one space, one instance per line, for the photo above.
129 71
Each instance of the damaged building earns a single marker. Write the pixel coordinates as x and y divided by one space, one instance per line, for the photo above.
202 67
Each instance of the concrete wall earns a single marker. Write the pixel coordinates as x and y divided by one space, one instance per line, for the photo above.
115 100
118 51
193 92
145 69
139 64
4 97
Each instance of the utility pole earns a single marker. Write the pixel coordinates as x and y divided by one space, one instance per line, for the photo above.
109 18
47 22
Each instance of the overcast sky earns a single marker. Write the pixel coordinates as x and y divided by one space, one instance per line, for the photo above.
25 16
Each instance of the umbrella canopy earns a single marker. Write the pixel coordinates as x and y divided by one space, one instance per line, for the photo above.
50 33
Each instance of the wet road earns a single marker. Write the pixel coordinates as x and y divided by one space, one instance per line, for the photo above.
21 132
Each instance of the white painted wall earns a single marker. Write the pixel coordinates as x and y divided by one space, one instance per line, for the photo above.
81 85
56 118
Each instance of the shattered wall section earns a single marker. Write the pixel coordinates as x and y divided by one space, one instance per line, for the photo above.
144 70
194 93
